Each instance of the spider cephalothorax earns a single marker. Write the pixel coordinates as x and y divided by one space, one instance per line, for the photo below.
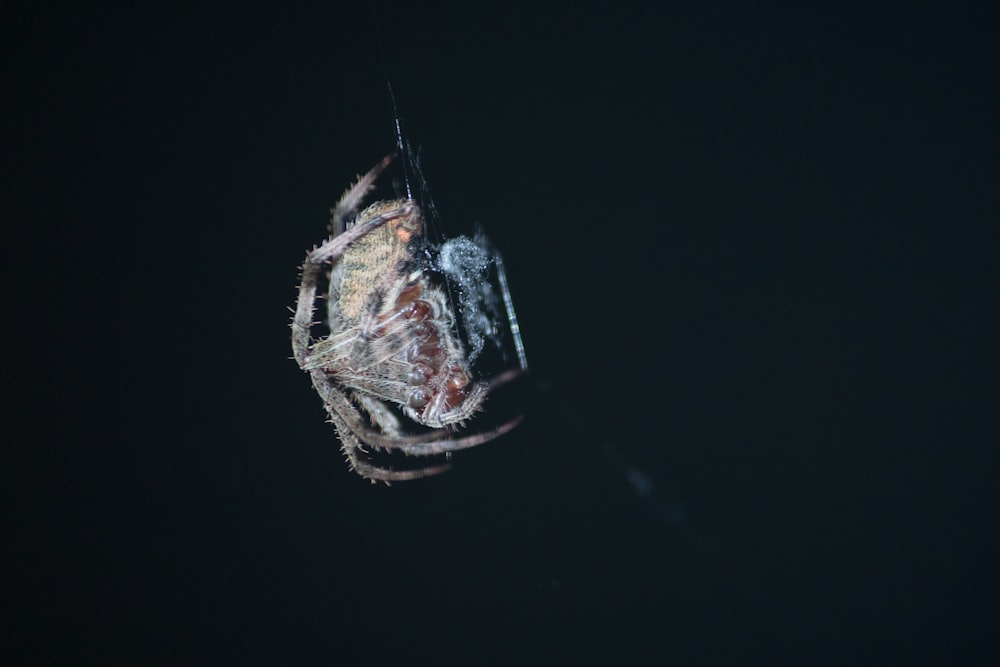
393 335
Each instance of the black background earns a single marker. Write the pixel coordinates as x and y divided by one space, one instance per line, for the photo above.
754 255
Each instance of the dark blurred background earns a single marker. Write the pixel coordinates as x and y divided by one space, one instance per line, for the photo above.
754 252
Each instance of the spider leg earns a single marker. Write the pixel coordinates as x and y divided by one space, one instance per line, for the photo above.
444 445
505 377
349 202
379 412
508 304
361 465
434 442
349 425
427 447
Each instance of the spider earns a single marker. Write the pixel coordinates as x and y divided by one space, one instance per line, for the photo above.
393 335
